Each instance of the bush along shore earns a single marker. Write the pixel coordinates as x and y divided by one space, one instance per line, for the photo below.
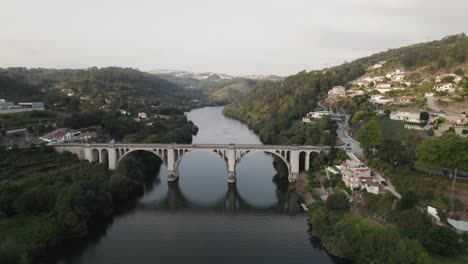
48 199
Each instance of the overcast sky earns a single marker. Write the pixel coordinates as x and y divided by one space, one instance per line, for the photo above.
235 37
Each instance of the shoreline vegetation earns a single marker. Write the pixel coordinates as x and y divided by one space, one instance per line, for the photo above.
48 199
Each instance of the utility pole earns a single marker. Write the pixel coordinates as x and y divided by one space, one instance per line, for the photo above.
452 192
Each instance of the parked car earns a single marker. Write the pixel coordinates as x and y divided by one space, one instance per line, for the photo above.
384 183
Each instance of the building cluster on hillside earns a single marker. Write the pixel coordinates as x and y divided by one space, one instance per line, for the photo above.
67 135
356 175
10 107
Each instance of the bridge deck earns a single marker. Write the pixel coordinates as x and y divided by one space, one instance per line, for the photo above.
196 146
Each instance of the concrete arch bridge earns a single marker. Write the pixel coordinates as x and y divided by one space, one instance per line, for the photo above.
172 154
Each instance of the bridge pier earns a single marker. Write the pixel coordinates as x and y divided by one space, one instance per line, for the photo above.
294 165
232 177
172 173
172 176
112 159
231 160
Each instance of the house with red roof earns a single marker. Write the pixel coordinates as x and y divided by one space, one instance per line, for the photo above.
353 173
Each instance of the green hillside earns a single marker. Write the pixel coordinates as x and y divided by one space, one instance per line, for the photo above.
275 106
120 86
218 88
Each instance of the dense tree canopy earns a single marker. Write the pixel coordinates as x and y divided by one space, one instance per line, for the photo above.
447 152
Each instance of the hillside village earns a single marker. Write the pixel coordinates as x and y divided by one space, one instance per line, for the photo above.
428 104
434 103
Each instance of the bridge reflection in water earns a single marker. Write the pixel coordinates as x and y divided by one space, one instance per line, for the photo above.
231 202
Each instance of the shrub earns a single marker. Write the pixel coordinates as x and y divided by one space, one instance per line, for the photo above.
338 201
39 199
11 252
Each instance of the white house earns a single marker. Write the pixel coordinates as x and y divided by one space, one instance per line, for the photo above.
380 99
406 116
406 99
370 185
353 93
318 114
445 87
398 77
352 172
142 116
383 85
337 90
384 90
432 211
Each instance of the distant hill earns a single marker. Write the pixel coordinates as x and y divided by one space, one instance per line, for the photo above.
98 85
217 86
274 105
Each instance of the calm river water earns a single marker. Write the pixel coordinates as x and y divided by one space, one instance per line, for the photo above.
202 219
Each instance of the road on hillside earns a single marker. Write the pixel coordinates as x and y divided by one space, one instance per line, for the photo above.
355 148
351 145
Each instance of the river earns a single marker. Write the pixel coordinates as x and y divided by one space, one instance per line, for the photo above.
203 219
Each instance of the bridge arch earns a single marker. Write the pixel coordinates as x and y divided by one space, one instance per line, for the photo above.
95 155
128 151
104 156
183 152
275 153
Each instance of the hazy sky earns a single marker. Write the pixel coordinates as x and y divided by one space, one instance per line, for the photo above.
236 37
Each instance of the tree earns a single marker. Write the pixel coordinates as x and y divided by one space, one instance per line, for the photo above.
338 201
38 199
408 200
424 116
459 71
11 252
446 152
443 241
73 105
369 135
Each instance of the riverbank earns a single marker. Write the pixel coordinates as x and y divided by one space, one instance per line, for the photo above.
302 189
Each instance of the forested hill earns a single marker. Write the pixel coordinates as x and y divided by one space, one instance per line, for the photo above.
219 88
275 105
123 85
